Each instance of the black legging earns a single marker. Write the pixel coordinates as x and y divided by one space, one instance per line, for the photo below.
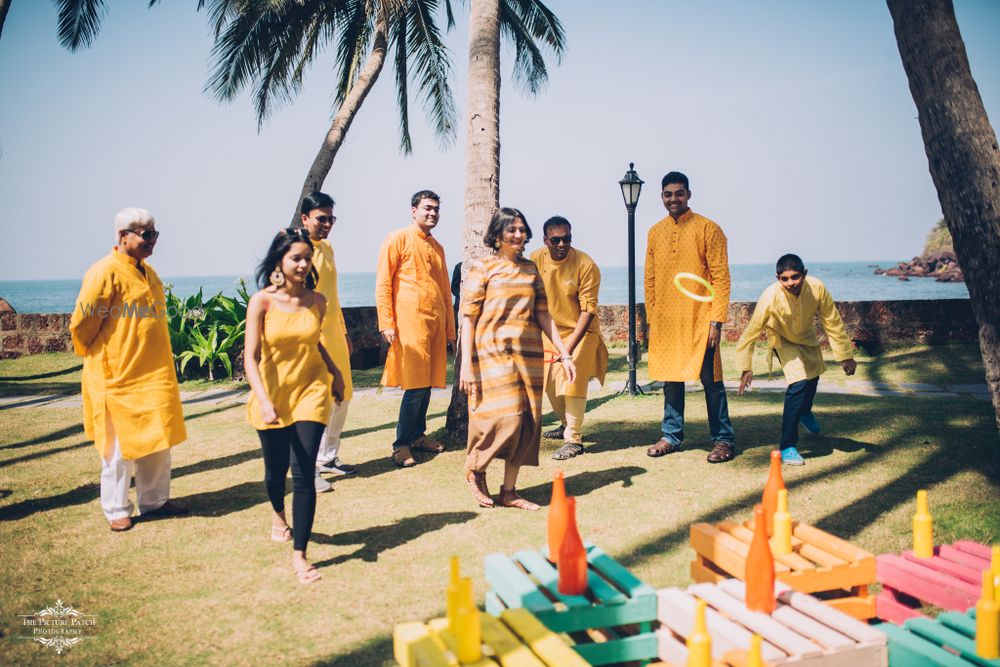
301 439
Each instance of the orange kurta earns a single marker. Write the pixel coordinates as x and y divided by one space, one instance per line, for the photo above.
678 325
502 298
413 297
119 327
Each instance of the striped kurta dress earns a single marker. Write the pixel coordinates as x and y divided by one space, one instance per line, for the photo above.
503 298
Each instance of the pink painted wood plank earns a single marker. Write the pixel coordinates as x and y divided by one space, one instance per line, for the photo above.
890 609
949 552
925 584
946 567
974 548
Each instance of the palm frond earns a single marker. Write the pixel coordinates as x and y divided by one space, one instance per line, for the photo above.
398 40
79 22
431 61
356 27
525 23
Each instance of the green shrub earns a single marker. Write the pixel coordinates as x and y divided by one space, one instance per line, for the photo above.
209 332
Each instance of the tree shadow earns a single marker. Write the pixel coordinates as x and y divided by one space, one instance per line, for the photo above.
42 376
78 496
377 539
583 483
392 425
50 437
29 400
43 454
226 501
376 652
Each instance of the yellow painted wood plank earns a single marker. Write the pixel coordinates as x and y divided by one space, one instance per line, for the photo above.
830 543
725 550
413 646
440 631
547 645
507 648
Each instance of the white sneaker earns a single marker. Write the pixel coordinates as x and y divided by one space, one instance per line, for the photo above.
322 486
336 467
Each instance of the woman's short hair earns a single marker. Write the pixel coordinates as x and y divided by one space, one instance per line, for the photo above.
315 199
127 217
280 244
502 219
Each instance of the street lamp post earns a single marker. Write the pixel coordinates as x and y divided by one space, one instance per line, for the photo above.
631 185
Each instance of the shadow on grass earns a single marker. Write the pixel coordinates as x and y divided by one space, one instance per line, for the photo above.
583 483
42 376
376 652
377 539
39 455
75 429
388 425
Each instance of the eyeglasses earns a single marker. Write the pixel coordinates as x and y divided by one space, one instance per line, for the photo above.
147 235
325 219
559 240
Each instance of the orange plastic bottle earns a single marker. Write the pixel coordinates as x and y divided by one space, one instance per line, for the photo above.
572 556
774 482
759 574
557 516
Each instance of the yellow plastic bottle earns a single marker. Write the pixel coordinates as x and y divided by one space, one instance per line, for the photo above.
452 594
699 643
995 569
988 621
754 658
923 531
781 538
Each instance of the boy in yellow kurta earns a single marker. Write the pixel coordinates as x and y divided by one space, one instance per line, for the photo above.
572 282
131 403
415 316
787 310
318 219
684 333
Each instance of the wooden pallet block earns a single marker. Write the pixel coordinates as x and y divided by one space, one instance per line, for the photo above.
610 623
515 639
820 563
802 630
951 579
949 641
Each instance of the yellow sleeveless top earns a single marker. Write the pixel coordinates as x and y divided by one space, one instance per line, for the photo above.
292 369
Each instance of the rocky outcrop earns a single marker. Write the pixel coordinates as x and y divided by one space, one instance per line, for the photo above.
5 306
941 266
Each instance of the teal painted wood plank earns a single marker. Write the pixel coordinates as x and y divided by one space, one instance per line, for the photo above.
494 605
948 639
909 650
959 622
541 569
617 573
513 586
599 587
642 610
636 647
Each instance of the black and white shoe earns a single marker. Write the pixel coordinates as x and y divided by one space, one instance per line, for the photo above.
336 467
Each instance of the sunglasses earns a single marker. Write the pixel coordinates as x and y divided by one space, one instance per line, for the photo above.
559 240
147 235
325 219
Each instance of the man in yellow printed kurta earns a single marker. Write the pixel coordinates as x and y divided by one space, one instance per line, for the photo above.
684 333
415 316
318 219
131 404
787 311
572 282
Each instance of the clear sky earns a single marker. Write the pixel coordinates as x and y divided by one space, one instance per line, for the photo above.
792 119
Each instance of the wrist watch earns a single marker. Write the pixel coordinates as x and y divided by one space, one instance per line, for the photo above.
715 325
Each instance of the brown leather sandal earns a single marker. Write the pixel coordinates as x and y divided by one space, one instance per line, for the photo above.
403 458
425 444
509 498
662 448
721 452
477 483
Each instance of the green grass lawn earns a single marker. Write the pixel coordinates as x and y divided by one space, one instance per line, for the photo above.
212 589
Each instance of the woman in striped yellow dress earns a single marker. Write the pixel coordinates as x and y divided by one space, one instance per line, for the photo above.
504 313
292 378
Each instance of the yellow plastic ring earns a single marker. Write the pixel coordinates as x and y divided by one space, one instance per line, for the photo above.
705 298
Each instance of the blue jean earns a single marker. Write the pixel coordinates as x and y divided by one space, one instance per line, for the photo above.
798 402
715 399
412 416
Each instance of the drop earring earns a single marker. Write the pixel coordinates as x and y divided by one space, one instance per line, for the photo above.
277 277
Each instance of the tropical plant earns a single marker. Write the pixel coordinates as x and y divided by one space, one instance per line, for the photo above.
211 332
961 148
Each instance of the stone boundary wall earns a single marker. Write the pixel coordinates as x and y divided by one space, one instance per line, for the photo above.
870 324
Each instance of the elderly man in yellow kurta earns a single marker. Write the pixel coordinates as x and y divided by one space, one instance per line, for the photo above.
787 310
415 316
318 219
572 282
131 404
684 332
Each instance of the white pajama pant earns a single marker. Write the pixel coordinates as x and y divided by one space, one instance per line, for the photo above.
152 480
329 444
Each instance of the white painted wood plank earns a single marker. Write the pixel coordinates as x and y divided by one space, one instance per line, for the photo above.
837 620
671 650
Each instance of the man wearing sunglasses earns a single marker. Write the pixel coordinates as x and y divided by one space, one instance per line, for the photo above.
572 282
131 403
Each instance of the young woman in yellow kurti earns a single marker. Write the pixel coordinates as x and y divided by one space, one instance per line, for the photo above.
504 313
292 379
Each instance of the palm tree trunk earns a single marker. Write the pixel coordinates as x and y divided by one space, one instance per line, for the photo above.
4 8
482 161
345 115
961 148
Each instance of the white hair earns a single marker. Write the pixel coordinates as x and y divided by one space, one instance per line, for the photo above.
127 217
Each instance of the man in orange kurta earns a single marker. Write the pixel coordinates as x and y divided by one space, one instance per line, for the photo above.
415 316
684 333
131 403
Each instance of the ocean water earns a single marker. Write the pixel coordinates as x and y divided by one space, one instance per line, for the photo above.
847 281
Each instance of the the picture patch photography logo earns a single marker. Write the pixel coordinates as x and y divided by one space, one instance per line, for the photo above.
58 627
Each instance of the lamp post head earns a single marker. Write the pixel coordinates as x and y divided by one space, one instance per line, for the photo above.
631 186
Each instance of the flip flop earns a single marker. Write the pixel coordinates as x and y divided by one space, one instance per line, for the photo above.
309 575
279 534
